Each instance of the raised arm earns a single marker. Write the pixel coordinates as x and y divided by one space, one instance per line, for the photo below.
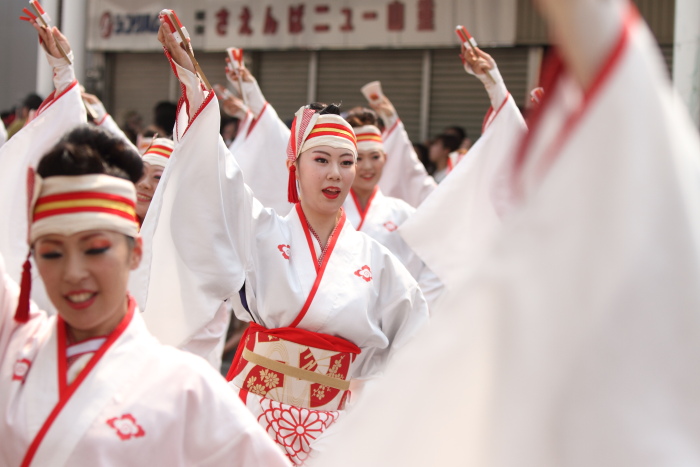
63 71
404 175
200 229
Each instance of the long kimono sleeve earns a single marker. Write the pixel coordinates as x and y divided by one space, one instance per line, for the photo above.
198 233
404 175
59 113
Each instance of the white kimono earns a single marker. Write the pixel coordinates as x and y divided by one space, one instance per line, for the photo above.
404 175
577 341
212 237
225 238
136 402
60 112
380 220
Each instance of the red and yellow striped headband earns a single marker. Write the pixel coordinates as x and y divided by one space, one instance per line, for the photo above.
159 152
321 130
369 138
71 204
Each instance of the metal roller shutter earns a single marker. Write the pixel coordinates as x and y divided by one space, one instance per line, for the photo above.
283 78
460 99
341 74
140 81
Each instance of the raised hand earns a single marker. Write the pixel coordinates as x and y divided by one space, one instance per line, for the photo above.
177 50
479 61
48 37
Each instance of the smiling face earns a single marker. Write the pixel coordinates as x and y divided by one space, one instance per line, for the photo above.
86 276
325 175
369 169
146 187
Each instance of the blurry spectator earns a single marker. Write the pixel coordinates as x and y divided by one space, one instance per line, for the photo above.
461 133
164 114
423 156
133 125
439 154
228 128
29 104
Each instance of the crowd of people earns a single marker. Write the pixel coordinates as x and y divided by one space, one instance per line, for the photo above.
227 287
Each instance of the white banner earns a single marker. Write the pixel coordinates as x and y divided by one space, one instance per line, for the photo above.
131 25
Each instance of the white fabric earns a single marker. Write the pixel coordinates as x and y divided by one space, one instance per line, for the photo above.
224 237
209 341
382 217
63 71
452 229
60 114
369 138
3 133
577 344
187 413
404 175
493 83
261 157
242 133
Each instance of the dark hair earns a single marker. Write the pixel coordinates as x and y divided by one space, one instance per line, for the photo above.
164 114
324 109
89 150
449 141
361 116
32 101
458 131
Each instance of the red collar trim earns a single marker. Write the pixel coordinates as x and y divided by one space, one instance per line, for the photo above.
363 212
324 262
553 70
65 391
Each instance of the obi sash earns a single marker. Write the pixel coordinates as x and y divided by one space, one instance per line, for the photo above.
294 366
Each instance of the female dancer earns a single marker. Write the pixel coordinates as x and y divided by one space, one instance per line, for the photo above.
91 386
327 304
377 215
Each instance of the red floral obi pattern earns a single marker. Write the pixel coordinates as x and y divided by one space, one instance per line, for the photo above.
294 366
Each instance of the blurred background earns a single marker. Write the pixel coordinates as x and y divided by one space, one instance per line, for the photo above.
318 50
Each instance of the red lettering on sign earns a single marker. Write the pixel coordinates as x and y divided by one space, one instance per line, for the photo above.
296 13
222 21
426 15
396 16
347 26
270 22
245 17
369 15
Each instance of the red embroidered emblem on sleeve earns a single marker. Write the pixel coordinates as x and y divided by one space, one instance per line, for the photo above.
21 369
390 226
126 427
285 250
365 273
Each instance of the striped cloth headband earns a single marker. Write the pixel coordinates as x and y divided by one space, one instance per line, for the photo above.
310 130
66 205
369 138
159 152
70 204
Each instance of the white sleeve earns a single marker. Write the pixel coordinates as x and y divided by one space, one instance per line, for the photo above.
404 175
63 72
494 84
254 97
200 229
400 316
